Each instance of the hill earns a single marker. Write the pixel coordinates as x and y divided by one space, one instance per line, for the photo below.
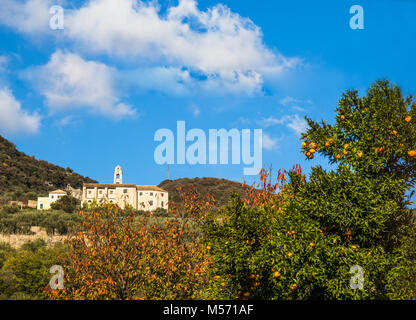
22 173
221 188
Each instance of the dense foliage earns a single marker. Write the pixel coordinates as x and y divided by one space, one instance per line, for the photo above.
25 271
301 242
117 254
221 189
66 203
16 221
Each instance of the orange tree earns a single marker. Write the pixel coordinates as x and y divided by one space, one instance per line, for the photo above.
298 239
116 254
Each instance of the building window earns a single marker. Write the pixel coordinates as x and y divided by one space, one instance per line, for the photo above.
140 193
101 191
89 191
162 204
51 196
41 206
151 202
125 190
151 193
111 191
162 194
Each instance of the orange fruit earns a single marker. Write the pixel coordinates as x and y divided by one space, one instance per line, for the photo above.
208 247
276 274
290 254
246 294
393 132
314 145
345 152
408 118
342 117
312 151
304 145
293 286
346 146
360 154
412 153
311 244
338 156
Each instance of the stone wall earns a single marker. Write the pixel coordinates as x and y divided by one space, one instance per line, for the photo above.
16 240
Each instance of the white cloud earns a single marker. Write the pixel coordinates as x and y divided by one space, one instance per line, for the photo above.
298 124
289 100
269 143
12 118
294 103
31 16
271 121
298 108
67 81
217 50
294 122
224 48
182 51
215 40
195 110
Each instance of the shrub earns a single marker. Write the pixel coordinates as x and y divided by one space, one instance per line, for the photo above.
161 212
10 209
52 221
115 254
26 270
298 239
66 203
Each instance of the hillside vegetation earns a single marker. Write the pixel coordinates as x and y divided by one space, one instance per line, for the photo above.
220 188
23 173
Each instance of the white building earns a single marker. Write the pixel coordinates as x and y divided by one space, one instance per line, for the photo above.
139 197
44 203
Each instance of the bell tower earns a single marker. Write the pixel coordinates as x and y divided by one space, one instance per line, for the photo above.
118 175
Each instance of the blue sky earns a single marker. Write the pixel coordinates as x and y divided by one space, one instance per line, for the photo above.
92 95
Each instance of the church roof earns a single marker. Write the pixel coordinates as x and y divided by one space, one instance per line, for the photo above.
151 188
109 185
114 185
58 191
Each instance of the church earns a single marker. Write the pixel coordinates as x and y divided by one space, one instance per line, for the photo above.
140 197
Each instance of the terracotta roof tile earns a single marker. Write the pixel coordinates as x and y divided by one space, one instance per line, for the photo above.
58 191
113 185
